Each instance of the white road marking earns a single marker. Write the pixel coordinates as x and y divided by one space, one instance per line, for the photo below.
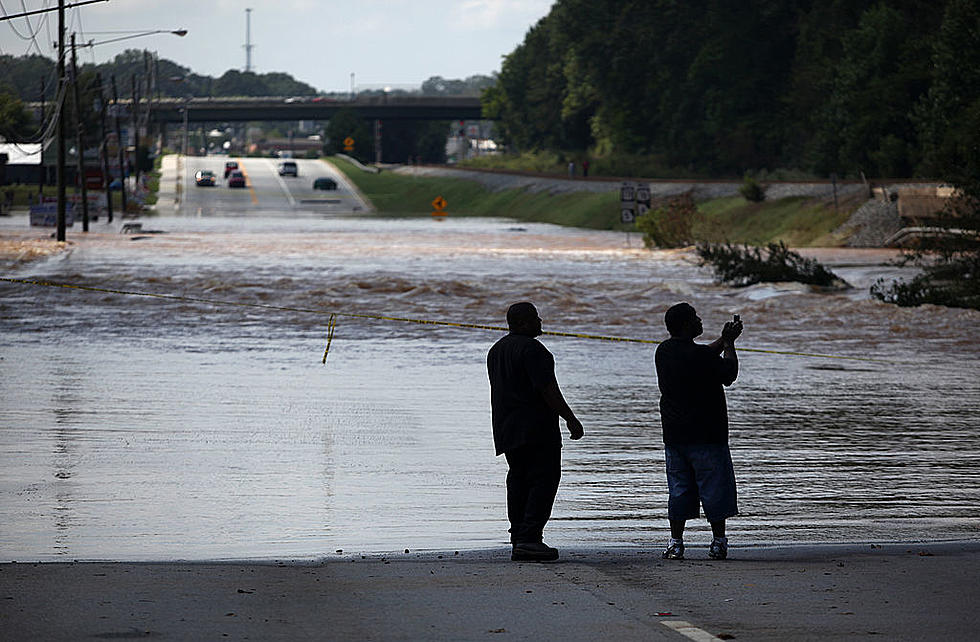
688 630
282 183
343 182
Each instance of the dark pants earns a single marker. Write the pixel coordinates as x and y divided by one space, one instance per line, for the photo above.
532 483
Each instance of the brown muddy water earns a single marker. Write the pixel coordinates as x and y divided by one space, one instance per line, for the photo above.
135 428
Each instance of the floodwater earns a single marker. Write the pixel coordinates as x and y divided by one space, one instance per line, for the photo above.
141 428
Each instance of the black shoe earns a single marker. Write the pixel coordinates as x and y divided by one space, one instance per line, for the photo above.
533 552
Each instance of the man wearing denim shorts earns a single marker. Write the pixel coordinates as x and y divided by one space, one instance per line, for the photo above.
694 414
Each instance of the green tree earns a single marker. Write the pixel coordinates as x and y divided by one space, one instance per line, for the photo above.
241 83
882 74
530 93
348 123
948 119
15 121
471 86
24 76
280 84
945 115
405 140
814 139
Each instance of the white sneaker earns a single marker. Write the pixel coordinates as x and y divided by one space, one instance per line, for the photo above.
718 549
674 550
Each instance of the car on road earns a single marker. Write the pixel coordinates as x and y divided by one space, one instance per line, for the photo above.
230 166
204 178
236 178
288 168
324 183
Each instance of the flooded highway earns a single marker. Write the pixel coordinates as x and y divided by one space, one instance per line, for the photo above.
141 428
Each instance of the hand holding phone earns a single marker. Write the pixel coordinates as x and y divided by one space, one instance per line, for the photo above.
732 329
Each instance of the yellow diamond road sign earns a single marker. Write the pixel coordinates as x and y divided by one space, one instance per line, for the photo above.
439 203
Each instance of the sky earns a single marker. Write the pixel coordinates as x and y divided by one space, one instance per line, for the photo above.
396 43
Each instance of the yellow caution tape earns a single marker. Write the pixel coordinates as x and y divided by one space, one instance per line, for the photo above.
331 325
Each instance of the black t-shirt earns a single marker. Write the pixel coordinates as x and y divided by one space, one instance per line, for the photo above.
519 367
692 399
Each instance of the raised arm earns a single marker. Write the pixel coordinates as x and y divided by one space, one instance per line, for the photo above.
729 333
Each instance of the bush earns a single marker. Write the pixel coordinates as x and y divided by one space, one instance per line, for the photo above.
955 284
670 225
743 266
751 190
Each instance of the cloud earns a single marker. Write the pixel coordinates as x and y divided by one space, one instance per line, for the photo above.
493 14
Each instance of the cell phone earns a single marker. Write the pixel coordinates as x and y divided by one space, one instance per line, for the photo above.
737 318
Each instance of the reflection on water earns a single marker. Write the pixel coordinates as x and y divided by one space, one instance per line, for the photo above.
142 428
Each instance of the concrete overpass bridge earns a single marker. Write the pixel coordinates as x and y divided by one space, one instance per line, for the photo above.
211 110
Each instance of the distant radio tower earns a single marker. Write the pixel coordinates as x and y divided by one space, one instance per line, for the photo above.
248 40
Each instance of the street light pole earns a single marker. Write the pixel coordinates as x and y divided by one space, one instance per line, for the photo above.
120 147
60 111
104 149
79 137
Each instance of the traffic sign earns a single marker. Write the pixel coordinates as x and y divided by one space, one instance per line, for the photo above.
348 144
627 192
439 204
626 215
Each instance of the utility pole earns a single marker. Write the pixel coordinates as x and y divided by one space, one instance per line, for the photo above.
60 112
41 178
148 95
121 147
248 40
136 130
183 144
79 138
104 149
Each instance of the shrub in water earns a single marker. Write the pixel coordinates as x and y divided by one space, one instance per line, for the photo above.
669 225
954 284
742 266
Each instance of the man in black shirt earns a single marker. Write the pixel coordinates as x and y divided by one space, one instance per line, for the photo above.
695 426
526 402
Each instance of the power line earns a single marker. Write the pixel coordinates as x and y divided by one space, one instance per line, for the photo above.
31 37
49 9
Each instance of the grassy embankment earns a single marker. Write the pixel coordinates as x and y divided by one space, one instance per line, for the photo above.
400 195
614 165
796 221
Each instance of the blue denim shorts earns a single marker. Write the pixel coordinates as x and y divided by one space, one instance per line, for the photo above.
700 474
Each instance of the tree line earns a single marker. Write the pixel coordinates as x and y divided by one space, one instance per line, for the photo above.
713 88
22 77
